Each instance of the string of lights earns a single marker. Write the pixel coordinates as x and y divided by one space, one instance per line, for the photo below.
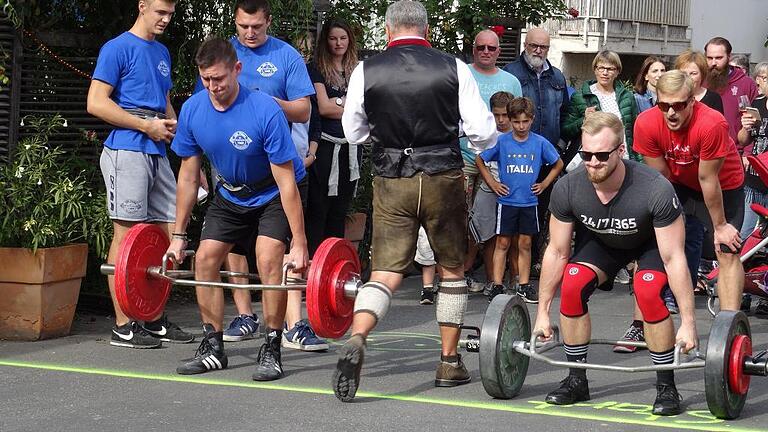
43 47
53 55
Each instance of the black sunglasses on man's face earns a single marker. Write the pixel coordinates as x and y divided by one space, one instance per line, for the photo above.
490 48
676 106
601 156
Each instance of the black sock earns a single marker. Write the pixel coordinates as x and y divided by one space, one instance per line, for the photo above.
576 353
449 359
663 358
274 337
637 323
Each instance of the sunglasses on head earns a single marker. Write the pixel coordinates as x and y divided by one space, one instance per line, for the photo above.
676 106
482 48
601 156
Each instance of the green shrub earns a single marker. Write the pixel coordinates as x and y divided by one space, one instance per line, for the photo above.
49 198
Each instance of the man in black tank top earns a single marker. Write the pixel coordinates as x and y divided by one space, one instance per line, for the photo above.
621 211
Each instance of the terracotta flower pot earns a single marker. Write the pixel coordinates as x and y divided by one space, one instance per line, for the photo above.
38 292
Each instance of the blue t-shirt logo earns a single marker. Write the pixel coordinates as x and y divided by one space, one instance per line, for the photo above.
240 140
163 68
267 69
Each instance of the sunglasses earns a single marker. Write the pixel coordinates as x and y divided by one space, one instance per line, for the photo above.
601 156
676 106
490 48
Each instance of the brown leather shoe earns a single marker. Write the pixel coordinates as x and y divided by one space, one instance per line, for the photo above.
449 375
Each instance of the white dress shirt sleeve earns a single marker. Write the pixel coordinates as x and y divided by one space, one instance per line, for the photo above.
354 120
477 122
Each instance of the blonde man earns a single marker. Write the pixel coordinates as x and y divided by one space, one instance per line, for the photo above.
621 211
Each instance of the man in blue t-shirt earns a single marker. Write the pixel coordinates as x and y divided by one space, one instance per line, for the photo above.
520 155
245 136
130 90
278 70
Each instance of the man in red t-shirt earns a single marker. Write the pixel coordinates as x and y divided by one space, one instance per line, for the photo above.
688 142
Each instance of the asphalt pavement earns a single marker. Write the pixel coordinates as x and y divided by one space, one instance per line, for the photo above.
81 383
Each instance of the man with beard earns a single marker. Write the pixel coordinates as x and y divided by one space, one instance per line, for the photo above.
545 85
621 211
730 82
688 143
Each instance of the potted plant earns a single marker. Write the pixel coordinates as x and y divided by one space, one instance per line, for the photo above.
48 214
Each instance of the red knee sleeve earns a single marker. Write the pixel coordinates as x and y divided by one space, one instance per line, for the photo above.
579 282
648 287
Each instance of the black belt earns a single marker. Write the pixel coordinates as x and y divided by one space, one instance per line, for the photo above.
146 114
245 191
407 152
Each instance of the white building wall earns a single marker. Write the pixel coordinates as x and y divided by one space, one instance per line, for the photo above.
743 22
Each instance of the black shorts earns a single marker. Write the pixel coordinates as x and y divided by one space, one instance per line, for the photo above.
694 205
238 225
610 260
512 220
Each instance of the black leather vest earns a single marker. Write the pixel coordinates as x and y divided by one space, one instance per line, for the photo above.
412 104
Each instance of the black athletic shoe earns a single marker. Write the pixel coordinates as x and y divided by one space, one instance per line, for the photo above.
528 293
427 296
495 290
268 364
167 331
132 335
667 401
346 377
572 389
209 355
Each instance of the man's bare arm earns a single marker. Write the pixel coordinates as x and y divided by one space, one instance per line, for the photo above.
101 105
657 163
297 110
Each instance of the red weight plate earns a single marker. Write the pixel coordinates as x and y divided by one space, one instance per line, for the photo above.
738 381
322 286
141 296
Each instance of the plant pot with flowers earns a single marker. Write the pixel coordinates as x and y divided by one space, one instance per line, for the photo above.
49 212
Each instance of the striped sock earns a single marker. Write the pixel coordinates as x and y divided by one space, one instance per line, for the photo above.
664 358
576 353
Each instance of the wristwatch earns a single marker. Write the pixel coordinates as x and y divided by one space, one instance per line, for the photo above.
339 101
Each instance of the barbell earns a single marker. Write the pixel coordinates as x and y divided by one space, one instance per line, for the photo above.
506 345
143 279
505 342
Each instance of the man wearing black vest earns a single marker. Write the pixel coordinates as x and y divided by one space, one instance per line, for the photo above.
411 101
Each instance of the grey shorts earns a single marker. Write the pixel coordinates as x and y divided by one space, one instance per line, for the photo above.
482 218
140 187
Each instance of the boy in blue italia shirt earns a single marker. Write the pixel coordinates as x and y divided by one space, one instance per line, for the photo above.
130 91
520 156
246 137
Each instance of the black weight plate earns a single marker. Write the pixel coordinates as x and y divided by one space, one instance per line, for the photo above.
503 369
723 403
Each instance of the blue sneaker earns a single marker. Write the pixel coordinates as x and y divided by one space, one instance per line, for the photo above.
302 337
241 328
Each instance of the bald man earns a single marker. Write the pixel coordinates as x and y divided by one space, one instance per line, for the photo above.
490 79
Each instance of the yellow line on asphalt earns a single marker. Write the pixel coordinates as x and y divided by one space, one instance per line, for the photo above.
693 420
